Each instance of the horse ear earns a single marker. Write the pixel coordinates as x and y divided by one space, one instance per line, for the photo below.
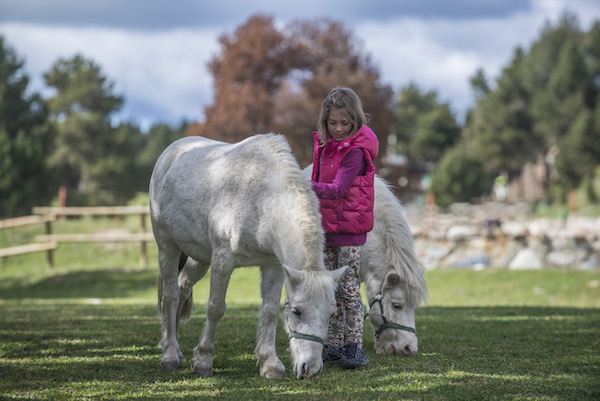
337 274
392 280
292 275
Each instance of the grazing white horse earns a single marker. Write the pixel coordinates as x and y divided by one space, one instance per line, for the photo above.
392 274
221 205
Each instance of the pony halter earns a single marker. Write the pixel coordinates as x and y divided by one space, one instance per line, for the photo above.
301 336
307 337
387 324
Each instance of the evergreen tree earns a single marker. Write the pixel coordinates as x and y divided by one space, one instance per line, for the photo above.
436 132
579 154
501 133
459 177
94 159
411 103
543 100
25 140
540 69
424 127
479 85
150 147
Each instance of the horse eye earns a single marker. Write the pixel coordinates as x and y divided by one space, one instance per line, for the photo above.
296 312
397 306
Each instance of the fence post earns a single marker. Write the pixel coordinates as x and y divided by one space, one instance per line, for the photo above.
49 252
429 210
144 248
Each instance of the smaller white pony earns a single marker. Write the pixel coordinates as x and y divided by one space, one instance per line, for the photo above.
392 274
244 204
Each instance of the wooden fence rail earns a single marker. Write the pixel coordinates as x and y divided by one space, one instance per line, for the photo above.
47 246
92 211
25 220
49 241
35 247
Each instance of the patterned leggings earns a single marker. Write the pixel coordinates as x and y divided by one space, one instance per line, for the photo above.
347 324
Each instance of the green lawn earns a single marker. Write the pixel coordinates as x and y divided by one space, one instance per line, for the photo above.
88 330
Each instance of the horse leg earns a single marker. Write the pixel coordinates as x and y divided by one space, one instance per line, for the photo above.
190 272
168 256
271 366
221 269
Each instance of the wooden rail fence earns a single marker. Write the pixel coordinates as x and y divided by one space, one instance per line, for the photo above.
49 242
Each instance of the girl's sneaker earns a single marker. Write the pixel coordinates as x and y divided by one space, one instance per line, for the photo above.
353 356
333 355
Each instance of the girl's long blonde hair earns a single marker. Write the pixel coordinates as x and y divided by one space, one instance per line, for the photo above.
348 101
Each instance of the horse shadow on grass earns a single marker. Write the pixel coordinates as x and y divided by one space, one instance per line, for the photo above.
103 283
118 344
497 352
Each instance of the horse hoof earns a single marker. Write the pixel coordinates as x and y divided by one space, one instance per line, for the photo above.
272 369
169 365
273 375
203 372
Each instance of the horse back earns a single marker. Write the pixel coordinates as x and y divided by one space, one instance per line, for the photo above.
209 191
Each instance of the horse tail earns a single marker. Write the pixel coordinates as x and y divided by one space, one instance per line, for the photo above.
159 290
188 305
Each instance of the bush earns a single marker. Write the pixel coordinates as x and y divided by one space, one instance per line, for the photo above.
459 177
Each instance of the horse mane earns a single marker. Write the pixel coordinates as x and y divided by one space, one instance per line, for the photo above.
317 285
308 215
399 243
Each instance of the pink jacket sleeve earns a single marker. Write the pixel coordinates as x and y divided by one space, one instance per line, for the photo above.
352 165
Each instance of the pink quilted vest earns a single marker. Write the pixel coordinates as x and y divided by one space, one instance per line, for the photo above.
352 214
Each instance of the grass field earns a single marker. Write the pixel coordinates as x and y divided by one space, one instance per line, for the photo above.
88 330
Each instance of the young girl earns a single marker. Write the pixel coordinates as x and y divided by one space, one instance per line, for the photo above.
343 175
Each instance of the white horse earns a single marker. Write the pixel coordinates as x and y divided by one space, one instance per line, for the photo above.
244 204
394 279
392 274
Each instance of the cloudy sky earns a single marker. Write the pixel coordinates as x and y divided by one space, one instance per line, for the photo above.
156 51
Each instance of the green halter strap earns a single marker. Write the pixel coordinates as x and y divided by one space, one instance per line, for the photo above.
386 324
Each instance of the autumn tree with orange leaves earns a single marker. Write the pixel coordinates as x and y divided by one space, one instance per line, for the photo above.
270 80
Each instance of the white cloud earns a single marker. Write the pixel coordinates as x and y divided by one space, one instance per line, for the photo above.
164 70
442 54
163 73
437 55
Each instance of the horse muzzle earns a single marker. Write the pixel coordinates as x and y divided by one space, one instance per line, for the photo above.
306 370
399 350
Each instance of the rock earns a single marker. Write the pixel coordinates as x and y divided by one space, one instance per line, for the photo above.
568 252
587 227
564 258
591 263
479 262
545 227
503 252
503 236
458 233
515 229
468 254
527 258
430 253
